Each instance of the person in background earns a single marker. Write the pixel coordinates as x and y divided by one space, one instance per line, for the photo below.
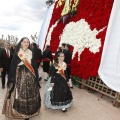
47 57
0 68
5 61
57 91
63 47
12 49
22 99
67 60
58 51
38 55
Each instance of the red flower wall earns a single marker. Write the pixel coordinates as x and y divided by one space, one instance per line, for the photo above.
96 13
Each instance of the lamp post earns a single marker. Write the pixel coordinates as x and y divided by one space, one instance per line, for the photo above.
49 2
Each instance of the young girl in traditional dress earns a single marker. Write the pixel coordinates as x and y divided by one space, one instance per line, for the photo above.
22 98
57 92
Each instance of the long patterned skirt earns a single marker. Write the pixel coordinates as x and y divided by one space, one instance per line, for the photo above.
25 100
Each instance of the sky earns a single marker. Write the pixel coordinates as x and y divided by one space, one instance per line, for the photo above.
21 18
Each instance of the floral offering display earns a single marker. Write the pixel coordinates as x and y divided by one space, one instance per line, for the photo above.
83 25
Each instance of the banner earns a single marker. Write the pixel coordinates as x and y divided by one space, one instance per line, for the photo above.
109 70
44 28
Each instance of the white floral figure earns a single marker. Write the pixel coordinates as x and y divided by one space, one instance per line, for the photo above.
80 36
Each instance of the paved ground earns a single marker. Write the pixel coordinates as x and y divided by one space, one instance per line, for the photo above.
86 106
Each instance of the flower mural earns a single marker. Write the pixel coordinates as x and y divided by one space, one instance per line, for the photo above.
85 31
81 36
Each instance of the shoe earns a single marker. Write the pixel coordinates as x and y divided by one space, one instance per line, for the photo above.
40 78
71 87
64 110
49 89
27 119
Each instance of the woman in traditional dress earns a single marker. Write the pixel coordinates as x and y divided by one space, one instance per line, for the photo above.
57 91
23 97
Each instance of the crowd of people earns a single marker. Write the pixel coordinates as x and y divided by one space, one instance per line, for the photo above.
23 100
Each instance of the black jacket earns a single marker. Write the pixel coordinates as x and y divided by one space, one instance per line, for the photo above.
4 60
68 56
47 54
37 54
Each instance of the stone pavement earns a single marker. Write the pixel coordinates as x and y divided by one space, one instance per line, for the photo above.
86 106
